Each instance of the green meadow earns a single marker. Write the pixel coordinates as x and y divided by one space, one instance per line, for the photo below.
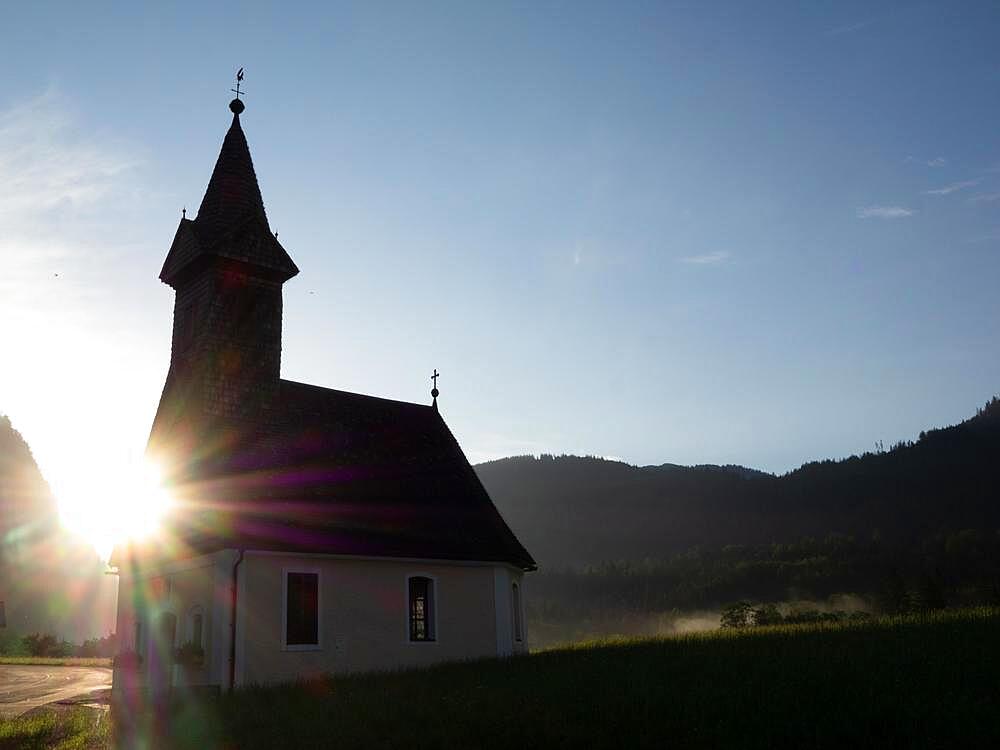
56 661
51 729
915 681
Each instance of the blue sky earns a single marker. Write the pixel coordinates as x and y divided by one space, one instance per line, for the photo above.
686 232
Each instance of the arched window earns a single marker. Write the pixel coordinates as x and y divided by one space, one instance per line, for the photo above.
168 631
422 625
515 604
196 626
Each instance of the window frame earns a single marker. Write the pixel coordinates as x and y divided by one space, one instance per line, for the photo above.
517 611
195 612
432 620
285 645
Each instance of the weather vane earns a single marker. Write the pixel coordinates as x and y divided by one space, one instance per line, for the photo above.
239 80
236 105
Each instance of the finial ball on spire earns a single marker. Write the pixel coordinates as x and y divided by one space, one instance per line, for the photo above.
236 106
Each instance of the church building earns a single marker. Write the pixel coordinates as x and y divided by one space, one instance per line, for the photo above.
313 530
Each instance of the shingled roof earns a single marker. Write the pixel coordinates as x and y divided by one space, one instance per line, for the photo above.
327 471
231 221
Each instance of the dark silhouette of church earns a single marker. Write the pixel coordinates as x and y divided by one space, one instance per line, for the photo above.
314 530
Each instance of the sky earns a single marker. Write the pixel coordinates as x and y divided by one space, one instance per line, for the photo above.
664 232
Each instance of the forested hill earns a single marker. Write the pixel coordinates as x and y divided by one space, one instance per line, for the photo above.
50 581
573 510
24 494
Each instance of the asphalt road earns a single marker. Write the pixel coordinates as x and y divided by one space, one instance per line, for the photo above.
23 688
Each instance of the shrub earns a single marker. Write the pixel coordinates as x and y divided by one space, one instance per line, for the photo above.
767 614
98 647
738 615
127 660
45 644
190 655
12 645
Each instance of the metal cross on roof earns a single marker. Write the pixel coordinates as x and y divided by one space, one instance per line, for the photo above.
434 390
239 80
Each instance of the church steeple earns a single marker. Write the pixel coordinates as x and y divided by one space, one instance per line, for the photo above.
227 269
231 222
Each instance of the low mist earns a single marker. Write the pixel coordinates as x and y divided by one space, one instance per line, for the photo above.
551 631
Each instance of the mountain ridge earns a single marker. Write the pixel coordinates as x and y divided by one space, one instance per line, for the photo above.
571 510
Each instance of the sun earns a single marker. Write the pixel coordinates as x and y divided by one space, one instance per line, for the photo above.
122 503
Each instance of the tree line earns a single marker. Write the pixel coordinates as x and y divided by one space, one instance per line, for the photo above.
959 568
49 646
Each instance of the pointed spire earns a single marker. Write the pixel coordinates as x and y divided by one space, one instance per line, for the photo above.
233 195
231 221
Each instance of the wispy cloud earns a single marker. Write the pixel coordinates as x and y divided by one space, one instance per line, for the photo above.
708 259
55 181
938 161
44 164
885 212
988 237
851 27
985 198
952 188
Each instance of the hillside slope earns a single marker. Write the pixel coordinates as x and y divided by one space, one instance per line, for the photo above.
573 510
24 494
49 581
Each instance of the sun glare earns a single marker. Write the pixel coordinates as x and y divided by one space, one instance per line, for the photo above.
125 503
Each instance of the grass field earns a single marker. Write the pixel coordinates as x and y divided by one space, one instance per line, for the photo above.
45 661
929 681
75 729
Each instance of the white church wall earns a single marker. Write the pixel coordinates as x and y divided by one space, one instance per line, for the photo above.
364 623
521 645
221 624
504 580
502 606
182 589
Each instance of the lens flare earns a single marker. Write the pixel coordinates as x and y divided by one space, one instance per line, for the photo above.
119 504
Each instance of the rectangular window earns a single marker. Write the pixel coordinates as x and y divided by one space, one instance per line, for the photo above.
302 609
422 609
